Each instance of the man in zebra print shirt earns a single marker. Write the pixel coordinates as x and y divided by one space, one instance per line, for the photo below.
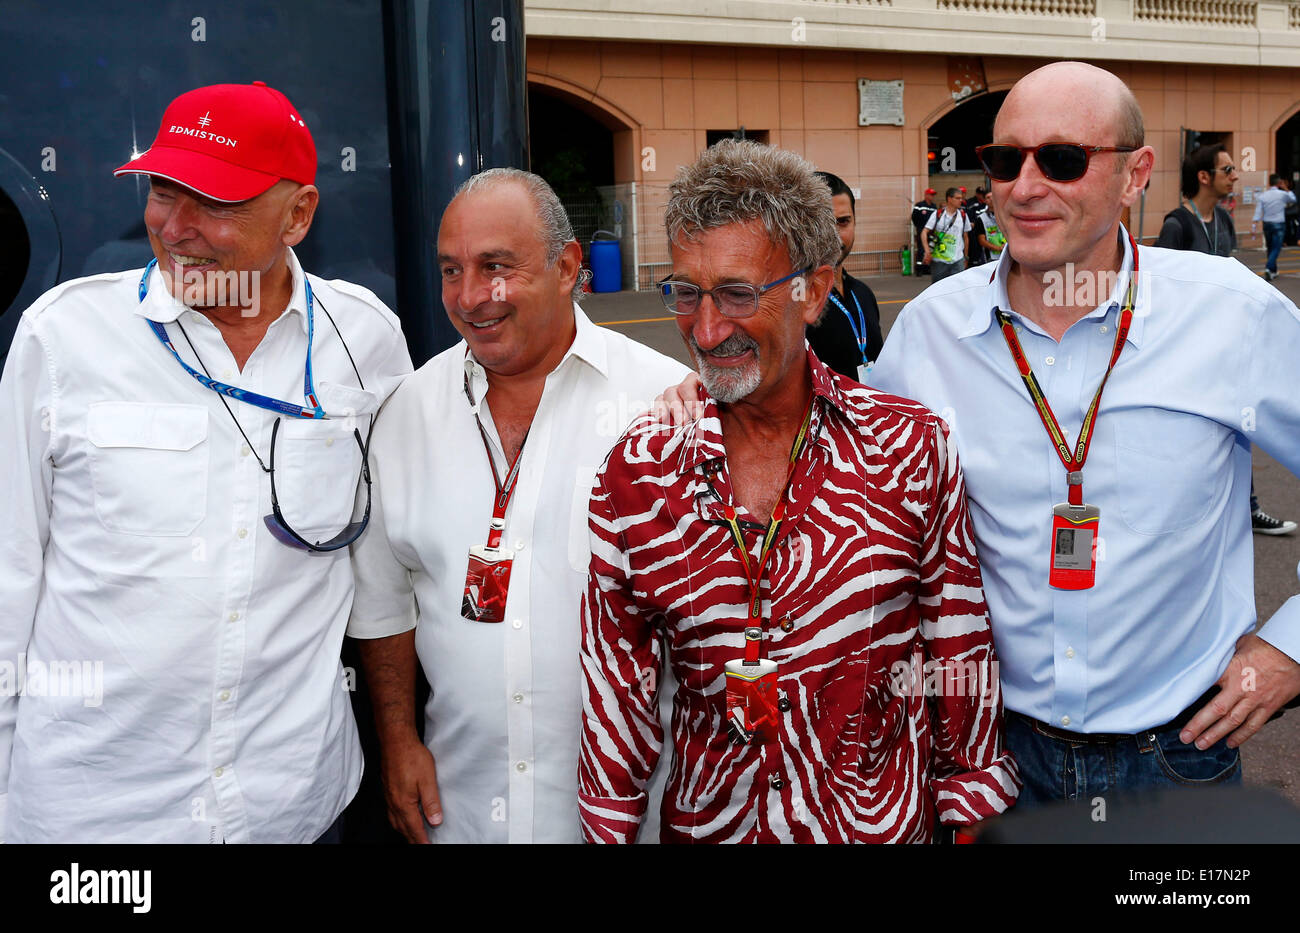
805 551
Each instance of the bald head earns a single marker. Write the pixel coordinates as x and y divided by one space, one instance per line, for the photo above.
1100 103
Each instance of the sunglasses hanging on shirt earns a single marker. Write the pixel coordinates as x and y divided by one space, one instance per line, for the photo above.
276 523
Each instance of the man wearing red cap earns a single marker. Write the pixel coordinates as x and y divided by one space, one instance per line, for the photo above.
184 445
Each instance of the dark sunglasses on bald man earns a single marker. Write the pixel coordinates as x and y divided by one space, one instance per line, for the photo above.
1057 161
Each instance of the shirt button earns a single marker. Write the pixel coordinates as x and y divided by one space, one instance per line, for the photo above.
787 624
1069 652
518 623
519 545
1105 329
778 782
521 766
219 772
1050 361
225 695
518 698
329 442
1065 720
233 617
783 705
243 533
244 450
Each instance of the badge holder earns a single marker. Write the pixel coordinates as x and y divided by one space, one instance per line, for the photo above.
487 581
751 694
1074 544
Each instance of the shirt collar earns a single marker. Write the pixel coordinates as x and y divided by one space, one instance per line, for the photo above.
588 345
982 317
705 442
160 306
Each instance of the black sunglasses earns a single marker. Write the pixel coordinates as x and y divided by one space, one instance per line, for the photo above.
280 529
1057 161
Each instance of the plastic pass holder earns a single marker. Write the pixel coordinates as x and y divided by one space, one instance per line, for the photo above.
487 584
751 694
1074 546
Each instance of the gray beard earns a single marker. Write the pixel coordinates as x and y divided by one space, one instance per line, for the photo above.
727 384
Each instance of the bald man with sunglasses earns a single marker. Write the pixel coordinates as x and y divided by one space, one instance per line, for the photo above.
1112 526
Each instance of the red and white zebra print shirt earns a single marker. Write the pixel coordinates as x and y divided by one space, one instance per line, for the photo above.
874 604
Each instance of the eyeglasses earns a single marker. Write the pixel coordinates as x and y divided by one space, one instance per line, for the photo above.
1057 161
1226 169
735 299
279 527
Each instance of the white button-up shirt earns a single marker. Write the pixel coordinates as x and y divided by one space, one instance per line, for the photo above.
1271 205
168 670
1207 369
504 716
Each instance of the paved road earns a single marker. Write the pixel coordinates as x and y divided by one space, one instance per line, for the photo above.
1271 757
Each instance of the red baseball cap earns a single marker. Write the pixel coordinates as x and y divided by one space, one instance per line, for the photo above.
229 142
962 189
930 191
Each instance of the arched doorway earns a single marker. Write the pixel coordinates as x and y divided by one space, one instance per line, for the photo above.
1286 145
952 139
576 145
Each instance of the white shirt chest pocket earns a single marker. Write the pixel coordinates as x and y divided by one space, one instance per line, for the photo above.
317 467
149 466
579 537
318 463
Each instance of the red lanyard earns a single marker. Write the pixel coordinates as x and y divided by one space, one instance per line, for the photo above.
1073 461
504 490
754 577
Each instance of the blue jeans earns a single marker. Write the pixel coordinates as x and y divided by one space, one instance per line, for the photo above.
1273 234
1054 769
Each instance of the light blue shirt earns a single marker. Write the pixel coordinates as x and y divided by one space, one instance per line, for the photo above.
1270 205
1211 365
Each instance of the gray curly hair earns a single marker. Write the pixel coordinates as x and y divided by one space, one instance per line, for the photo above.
555 229
739 180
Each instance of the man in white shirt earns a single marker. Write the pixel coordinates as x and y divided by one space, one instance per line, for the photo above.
1270 209
476 557
169 644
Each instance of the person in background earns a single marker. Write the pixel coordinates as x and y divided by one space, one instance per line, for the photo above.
975 207
1200 223
1270 210
847 336
922 211
988 233
951 228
